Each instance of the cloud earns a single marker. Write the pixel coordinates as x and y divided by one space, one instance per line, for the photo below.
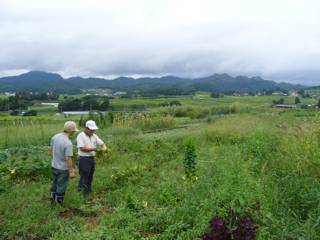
275 39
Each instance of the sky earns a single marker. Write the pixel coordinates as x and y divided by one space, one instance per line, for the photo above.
274 39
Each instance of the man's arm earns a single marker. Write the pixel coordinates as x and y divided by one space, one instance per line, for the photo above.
51 147
72 173
68 157
87 149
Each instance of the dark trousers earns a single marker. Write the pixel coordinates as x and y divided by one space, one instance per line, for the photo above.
86 170
60 179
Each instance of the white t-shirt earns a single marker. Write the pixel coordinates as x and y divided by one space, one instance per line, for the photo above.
83 140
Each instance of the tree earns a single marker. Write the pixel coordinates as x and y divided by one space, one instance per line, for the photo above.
104 105
90 103
297 100
70 104
4 104
86 103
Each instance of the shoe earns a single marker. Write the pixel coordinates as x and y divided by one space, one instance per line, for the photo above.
59 198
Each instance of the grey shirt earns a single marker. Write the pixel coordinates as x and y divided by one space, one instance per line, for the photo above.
61 148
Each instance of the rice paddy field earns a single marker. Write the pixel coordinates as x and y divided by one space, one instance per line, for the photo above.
227 168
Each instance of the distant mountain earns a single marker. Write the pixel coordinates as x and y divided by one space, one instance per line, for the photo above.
313 88
241 84
37 81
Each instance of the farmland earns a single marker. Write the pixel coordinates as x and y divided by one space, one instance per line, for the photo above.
171 173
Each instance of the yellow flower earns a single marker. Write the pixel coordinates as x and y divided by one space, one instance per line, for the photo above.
145 204
12 171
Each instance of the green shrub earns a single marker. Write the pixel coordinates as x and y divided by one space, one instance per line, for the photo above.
190 160
30 164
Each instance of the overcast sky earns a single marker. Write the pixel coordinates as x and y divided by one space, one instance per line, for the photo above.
274 39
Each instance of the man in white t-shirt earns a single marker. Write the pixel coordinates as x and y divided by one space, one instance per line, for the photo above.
88 143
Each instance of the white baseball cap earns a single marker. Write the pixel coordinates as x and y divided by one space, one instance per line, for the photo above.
70 126
91 125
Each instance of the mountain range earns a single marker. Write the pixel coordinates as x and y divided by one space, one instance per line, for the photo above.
38 81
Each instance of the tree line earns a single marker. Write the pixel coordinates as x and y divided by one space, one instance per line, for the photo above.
22 100
86 103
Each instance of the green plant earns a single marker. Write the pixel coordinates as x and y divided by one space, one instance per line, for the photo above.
101 119
190 160
29 164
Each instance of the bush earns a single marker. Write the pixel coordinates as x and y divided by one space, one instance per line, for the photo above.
235 227
23 164
199 113
280 101
31 113
216 95
14 113
172 103
190 160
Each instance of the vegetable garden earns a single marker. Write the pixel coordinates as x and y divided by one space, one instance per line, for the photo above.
249 174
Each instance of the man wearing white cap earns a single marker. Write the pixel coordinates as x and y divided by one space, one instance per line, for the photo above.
88 143
62 166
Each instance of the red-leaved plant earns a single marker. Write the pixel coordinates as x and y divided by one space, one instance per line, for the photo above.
237 228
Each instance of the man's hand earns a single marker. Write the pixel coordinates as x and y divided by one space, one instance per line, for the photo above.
103 148
72 173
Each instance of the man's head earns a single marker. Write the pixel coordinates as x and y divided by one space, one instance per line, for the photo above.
70 127
91 126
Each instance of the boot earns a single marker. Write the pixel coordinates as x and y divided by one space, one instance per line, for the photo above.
59 198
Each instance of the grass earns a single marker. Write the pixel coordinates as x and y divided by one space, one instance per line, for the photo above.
204 100
43 109
24 132
263 164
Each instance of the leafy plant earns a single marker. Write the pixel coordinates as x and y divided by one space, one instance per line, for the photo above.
218 230
190 160
24 164
235 227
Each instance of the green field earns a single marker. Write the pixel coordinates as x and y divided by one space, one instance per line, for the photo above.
252 162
